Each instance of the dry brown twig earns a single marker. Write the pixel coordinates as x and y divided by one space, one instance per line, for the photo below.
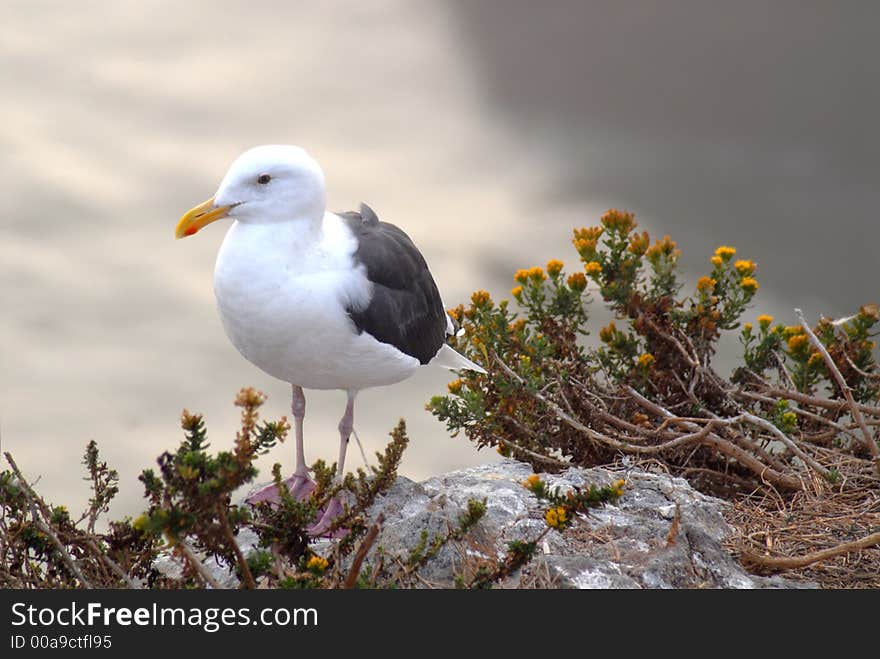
358 560
44 528
869 442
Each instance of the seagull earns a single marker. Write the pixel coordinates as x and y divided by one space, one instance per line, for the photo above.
317 299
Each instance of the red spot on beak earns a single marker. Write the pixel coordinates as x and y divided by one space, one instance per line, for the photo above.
190 231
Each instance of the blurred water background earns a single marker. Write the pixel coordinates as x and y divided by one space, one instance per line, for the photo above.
486 129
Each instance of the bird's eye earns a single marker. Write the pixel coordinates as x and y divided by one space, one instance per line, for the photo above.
263 179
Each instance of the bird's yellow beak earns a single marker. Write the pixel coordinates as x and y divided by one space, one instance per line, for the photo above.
198 217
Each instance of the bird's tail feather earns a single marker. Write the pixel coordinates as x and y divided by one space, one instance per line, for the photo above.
449 358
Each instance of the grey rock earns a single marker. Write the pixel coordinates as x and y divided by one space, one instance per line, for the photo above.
621 545
628 544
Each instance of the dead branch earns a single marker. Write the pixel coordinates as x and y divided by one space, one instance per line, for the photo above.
786 563
869 442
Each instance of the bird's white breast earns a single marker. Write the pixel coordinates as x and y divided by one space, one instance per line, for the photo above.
282 290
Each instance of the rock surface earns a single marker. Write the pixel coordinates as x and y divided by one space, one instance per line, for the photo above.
628 544
621 545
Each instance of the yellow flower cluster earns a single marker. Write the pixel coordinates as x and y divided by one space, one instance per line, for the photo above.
638 243
585 241
791 330
789 418
646 360
665 247
706 284
725 252
317 564
618 487
556 517
480 297
744 267
554 267
454 387
576 281
764 320
747 327
516 291
588 233
585 247
815 359
533 482
140 523
749 284
593 268
606 334
717 261
615 220
798 342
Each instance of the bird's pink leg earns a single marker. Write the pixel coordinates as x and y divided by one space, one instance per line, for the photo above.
334 506
299 483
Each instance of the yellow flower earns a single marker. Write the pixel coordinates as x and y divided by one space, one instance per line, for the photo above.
554 267
532 482
789 418
617 488
815 359
764 320
317 564
593 268
706 284
556 517
516 291
454 386
665 247
586 247
639 242
607 332
798 342
141 522
747 327
791 330
588 233
622 221
749 284
537 274
725 252
454 314
744 267
646 360
522 276
577 281
717 261
480 297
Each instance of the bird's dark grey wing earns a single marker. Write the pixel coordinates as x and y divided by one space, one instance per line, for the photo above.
405 309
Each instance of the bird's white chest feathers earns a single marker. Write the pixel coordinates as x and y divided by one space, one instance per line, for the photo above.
282 291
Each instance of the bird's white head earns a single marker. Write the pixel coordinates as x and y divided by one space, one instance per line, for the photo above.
266 184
